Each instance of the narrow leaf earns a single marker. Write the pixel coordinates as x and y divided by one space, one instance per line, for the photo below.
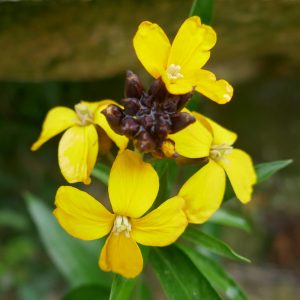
141 290
203 9
89 292
225 217
178 276
76 259
214 273
101 172
264 171
196 236
122 287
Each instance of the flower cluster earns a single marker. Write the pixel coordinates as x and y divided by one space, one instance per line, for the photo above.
157 122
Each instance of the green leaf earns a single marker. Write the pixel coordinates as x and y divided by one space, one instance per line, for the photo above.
76 259
196 236
225 217
101 172
89 292
264 171
203 9
141 290
193 104
122 287
178 276
214 273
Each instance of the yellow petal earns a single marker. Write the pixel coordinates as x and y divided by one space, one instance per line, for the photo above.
241 174
219 91
81 215
203 121
77 153
99 118
203 192
190 49
162 226
133 185
121 255
221 134
194 141
93 106
57 120
152 48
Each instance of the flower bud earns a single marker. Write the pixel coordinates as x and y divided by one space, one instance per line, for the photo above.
131 106
144 142
130 127
147 122
158 90
133 86
143 112
185 99
170 105
168 149
147 100
114 116
180 121
161 128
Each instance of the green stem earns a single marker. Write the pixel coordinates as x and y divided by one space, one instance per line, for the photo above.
203 9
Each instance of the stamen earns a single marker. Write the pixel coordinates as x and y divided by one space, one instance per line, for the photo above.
84 114
217 151
122 223
173 72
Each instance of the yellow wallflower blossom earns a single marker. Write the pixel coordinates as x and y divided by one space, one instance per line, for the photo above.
204 191
180 65
78 147
133 186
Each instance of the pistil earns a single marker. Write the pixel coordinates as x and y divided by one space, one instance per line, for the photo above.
217 151
122 223
84 114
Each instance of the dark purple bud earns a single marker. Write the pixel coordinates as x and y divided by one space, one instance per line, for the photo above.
144 142
185 99
147 100
130 127
147 122
184 161
133 86
170 105
181 120
161 128
114 116
143 112
158 90
131 106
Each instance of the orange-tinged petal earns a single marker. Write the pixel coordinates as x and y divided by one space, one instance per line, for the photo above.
57 120
133 185
77 153
121 255
152 48
99 118
162 226
190 49
241 174
203 193
221 134
219 91
194 141
81 215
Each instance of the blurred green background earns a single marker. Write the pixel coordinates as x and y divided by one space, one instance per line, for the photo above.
58 53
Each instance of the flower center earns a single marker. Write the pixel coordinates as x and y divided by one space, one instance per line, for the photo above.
84 114
173 72
122 224
216 152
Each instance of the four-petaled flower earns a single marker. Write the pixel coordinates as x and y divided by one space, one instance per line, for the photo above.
180 65
78 147
204 191
133 186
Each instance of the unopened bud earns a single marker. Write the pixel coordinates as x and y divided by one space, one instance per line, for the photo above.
130 127
170 105
147 100
180 121
147 122
144 142
168 149
158 90
133 86
114 116
131 106
143 112
185 99
161 128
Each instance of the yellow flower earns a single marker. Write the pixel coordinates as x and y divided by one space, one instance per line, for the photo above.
180 65
78 147
133 186
204 191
